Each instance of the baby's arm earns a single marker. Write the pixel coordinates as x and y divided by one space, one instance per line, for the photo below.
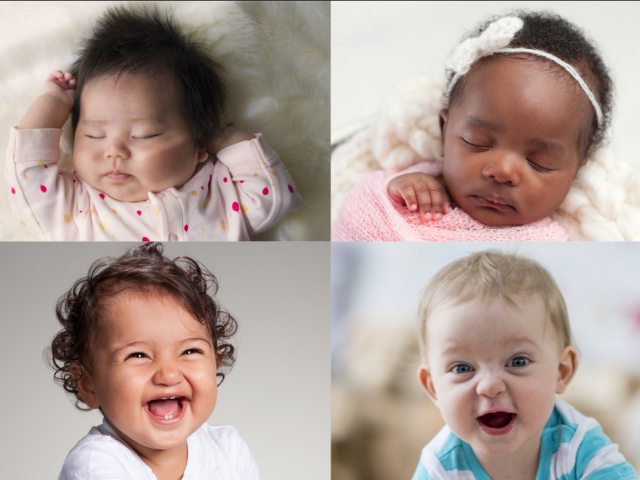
41 196
419 189
264 189
52 108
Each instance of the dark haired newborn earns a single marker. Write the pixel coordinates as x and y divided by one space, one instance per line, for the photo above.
144 341
152 159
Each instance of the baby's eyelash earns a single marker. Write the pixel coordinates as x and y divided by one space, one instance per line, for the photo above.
193 350
146 138
135 355
539 168
472 145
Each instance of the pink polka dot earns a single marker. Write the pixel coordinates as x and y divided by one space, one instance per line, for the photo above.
102 196
80 211
59 173
46 166
209 177
290 188
13 190
139 212
202 188
145 239
235 206
74 180
186 228
265 191
241 181
43 188
224 179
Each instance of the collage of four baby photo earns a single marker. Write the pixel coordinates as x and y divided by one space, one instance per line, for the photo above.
346 240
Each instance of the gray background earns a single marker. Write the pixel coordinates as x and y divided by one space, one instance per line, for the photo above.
377 45
277 396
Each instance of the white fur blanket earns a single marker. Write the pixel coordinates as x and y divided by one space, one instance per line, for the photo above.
603 203
277 59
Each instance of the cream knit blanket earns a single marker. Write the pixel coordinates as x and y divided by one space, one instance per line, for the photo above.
603 203
277 59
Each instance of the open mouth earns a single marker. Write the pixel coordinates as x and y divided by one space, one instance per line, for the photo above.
167 409
493 202
497 423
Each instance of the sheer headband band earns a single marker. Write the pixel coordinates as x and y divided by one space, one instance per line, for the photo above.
494 40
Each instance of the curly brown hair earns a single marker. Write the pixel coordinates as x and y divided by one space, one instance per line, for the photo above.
142 269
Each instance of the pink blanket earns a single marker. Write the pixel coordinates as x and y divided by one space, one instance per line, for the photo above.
369 214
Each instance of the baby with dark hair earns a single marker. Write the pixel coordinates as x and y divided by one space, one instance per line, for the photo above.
152 159
144 341
528 97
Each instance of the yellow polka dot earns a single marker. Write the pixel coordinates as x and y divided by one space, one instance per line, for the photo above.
194 193
114 211
244 208
31 216
101 226
65 194
66 219
203 229
255 174
25 176
40 162
22 223
204 204
274 173
224 225
113 237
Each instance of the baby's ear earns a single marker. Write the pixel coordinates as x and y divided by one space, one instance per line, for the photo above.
84 384
566 368
202 154
426 380
444 116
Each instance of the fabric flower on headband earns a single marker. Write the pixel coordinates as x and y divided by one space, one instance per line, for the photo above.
496 36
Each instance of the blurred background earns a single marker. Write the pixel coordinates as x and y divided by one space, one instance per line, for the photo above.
381 418
376 47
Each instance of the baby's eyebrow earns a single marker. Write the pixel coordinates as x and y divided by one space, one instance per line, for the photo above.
554 148
473 121
148 121
197 339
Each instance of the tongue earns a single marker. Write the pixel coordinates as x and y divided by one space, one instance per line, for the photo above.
496 420
162 408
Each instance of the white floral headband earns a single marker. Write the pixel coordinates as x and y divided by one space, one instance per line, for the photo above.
494 40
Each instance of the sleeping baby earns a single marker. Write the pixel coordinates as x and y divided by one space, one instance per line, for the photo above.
151 158
528 99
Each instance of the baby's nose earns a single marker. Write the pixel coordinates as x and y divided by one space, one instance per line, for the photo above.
167 374
504 167
490 385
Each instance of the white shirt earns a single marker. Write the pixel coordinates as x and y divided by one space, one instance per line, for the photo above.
214 453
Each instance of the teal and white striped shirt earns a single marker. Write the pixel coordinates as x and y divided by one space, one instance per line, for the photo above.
572 447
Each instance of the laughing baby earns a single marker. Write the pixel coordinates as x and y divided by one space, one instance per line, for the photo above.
497 348
144 341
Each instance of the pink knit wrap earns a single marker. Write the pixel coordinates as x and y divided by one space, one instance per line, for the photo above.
369 214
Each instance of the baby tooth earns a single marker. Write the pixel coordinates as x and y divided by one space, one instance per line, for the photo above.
172 398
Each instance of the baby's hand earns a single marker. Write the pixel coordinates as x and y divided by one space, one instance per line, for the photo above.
428 192
227 137
62 86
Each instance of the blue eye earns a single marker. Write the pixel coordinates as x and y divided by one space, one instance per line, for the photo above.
518 362
460 369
